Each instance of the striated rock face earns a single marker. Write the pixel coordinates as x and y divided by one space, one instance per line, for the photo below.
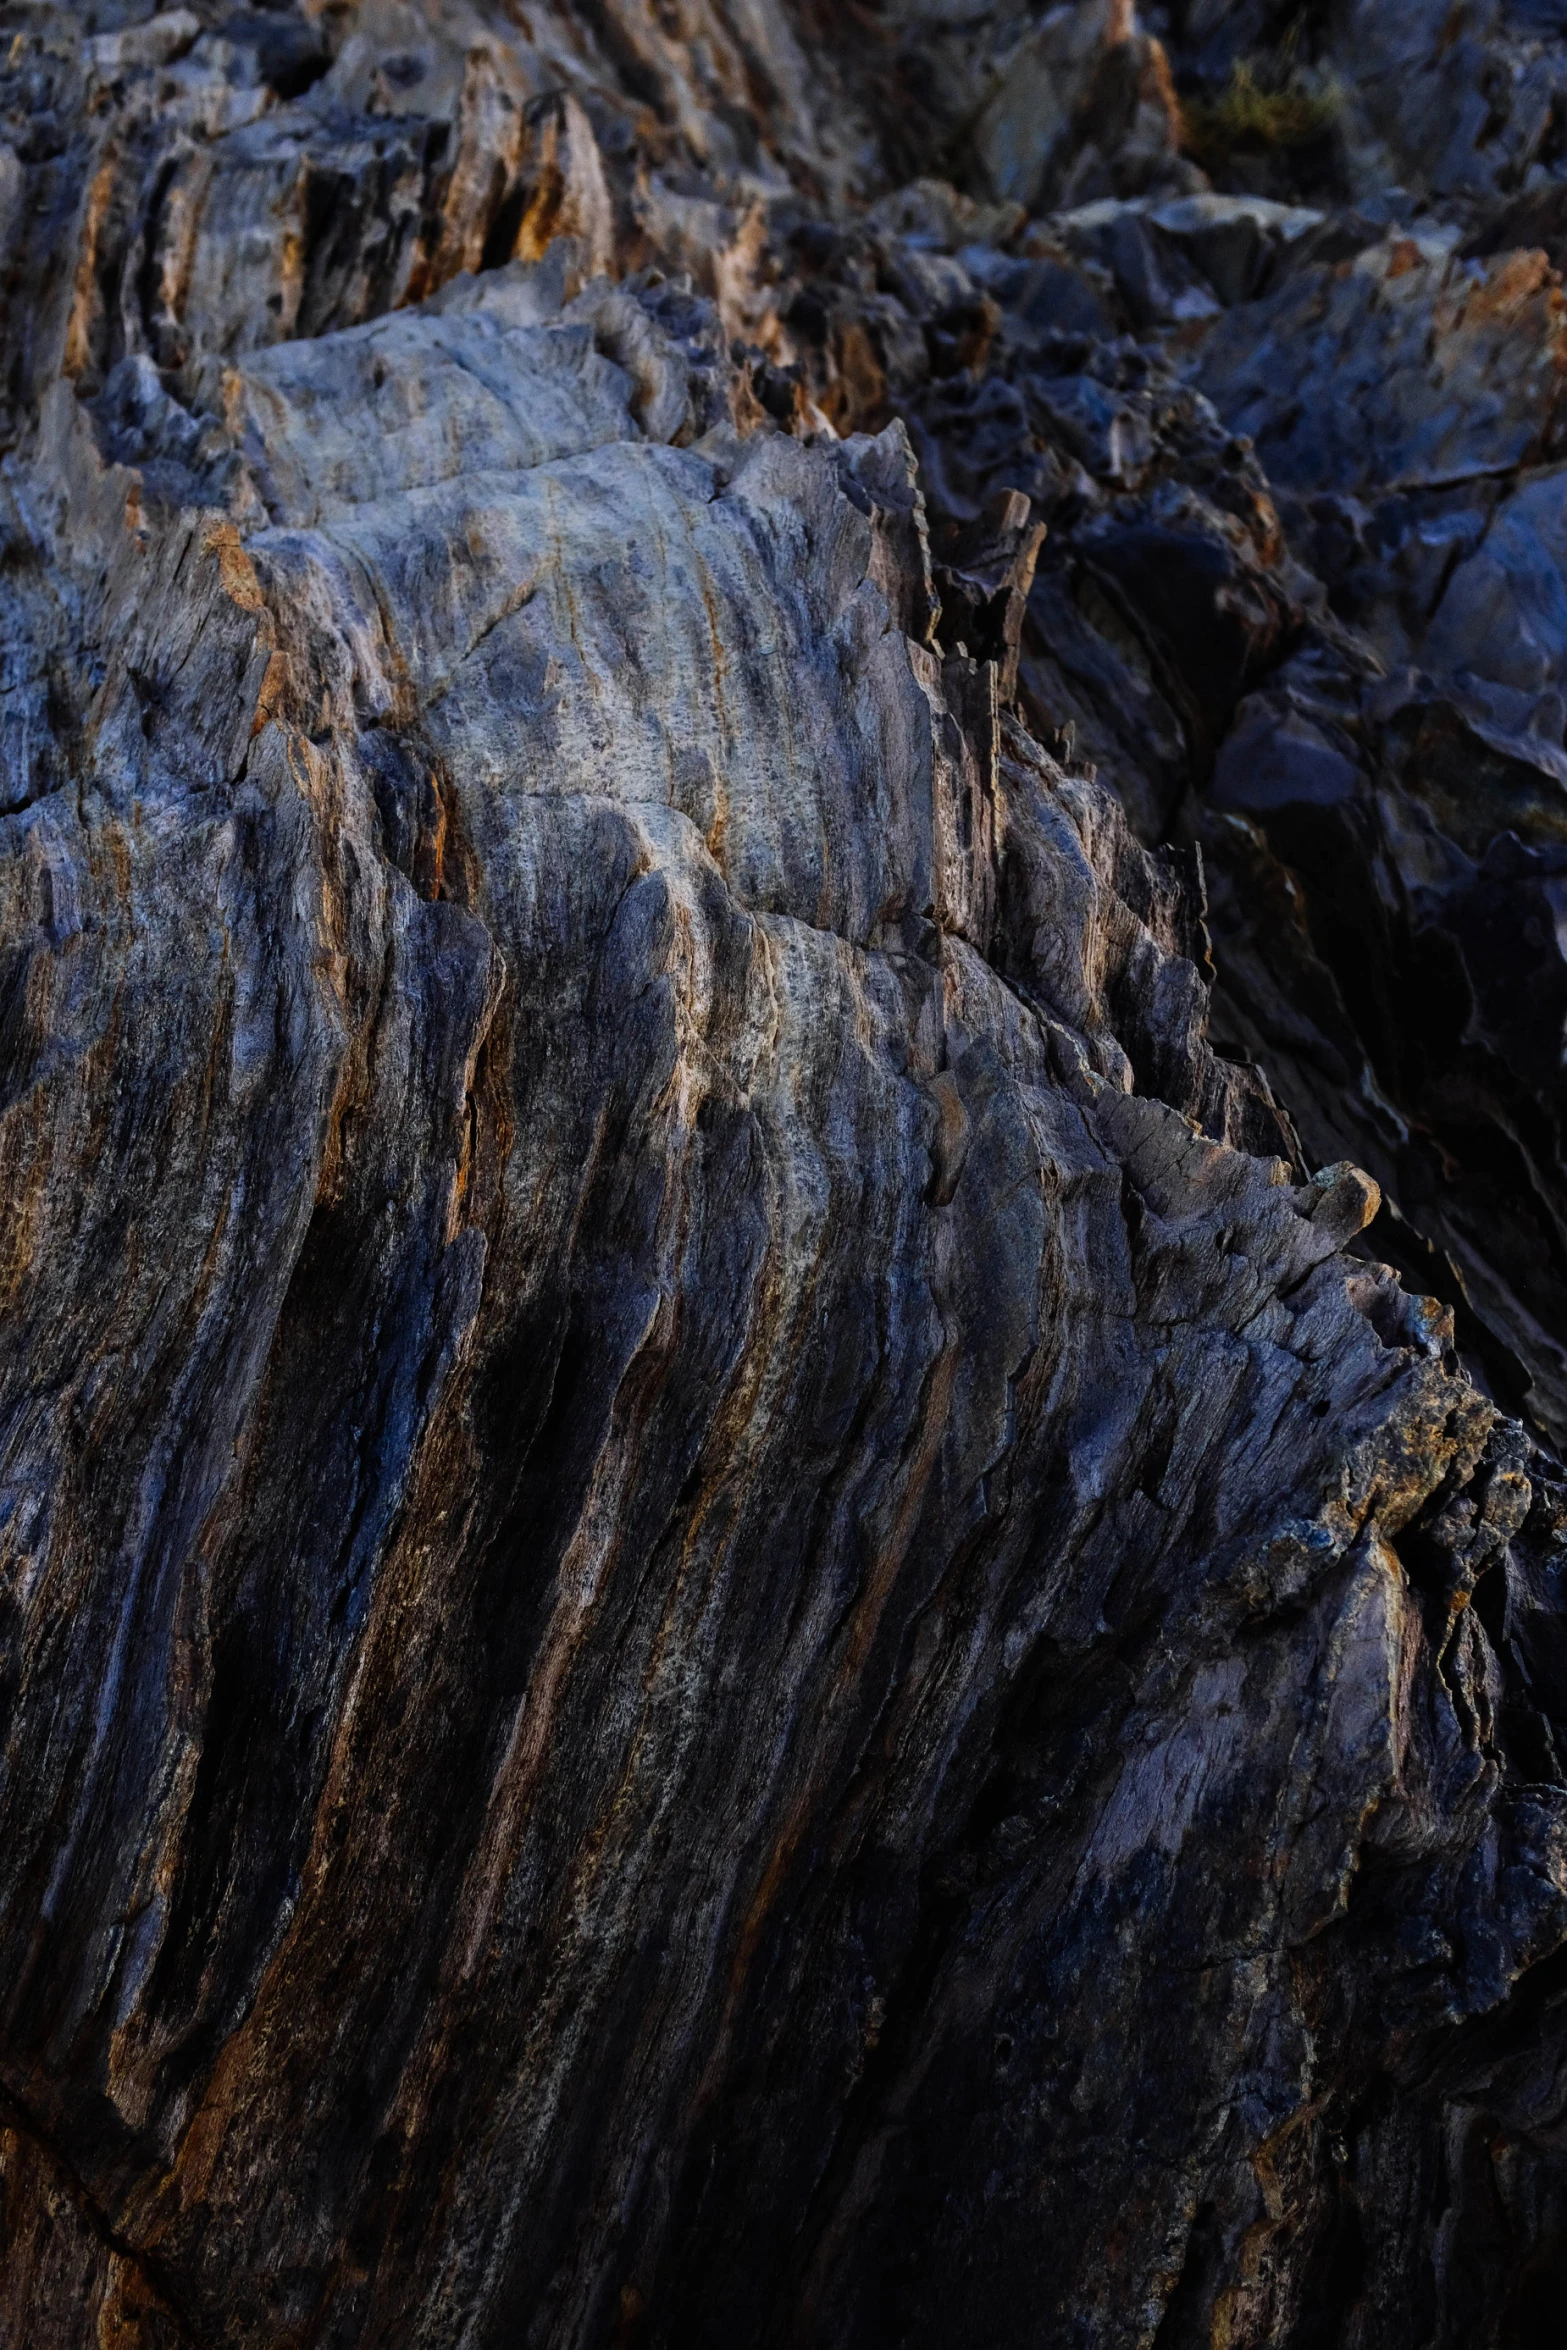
782 852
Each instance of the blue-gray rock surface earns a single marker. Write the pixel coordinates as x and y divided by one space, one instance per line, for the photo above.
783 960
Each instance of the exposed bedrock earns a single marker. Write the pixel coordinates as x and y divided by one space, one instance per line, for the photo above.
783 824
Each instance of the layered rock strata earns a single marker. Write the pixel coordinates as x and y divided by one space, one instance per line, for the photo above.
780 1041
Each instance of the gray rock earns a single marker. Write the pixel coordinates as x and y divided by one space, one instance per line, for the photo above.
731 1611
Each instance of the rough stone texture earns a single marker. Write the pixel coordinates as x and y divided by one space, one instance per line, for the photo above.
751 903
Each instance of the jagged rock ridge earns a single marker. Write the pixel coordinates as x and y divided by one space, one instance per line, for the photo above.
744 886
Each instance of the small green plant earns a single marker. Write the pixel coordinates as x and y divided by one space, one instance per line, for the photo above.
1248 116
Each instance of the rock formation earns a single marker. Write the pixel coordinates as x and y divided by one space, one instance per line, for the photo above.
783 958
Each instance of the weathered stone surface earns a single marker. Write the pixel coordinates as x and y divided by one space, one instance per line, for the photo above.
736 1606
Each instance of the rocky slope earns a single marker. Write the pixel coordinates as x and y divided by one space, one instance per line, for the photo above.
783 843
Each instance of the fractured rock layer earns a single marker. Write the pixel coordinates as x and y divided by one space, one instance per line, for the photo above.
767 809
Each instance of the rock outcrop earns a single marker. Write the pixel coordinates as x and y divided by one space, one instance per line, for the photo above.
783 830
